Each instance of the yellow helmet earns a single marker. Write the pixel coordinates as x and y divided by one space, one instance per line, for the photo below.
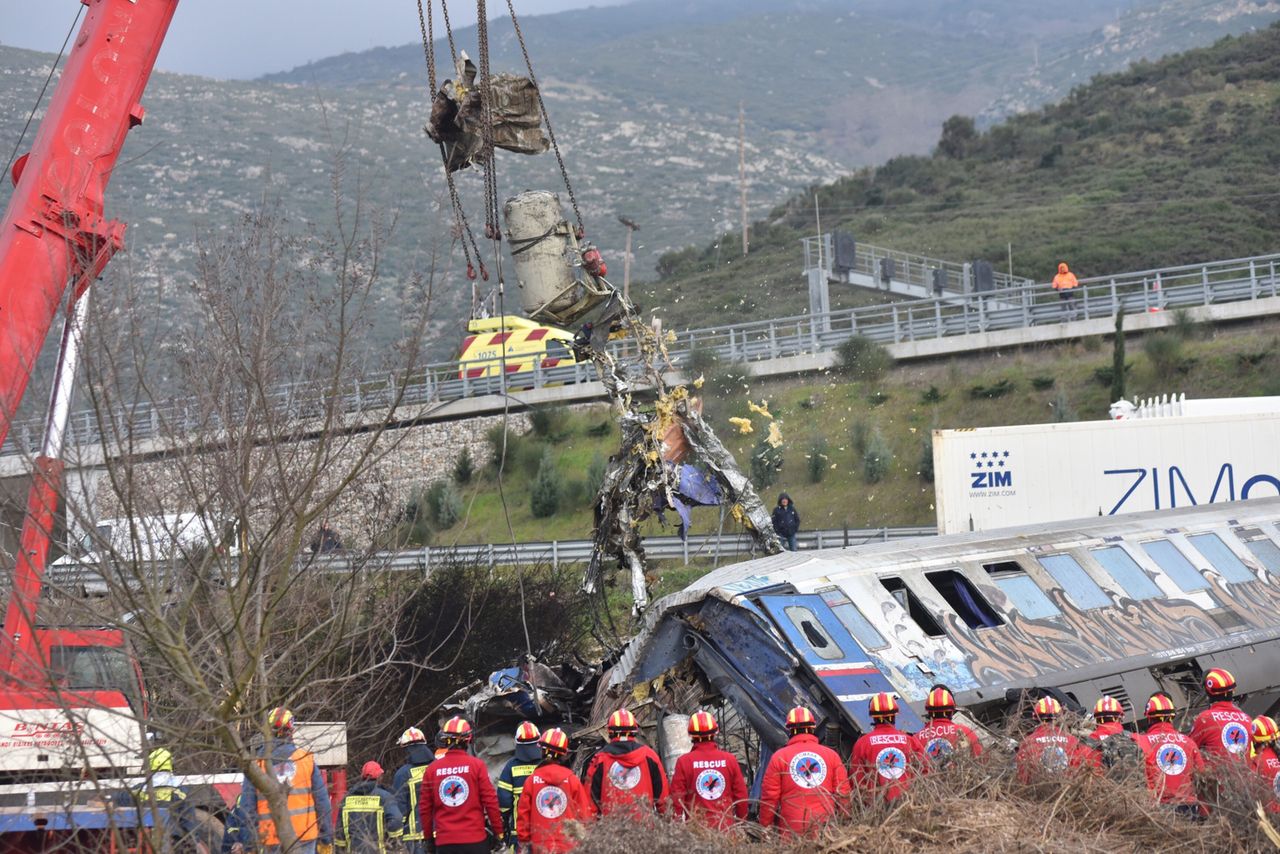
160 759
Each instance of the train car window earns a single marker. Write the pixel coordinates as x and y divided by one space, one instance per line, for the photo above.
820 640
1079 586
853 620
1223 559
1175 565
1125 570
913 606
1025 594
962 596
1267 553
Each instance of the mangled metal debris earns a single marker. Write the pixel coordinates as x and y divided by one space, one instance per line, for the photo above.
458 116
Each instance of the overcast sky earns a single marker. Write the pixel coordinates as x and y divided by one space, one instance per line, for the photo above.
246 38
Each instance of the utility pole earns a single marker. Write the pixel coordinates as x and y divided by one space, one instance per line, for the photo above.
626 258
817 216
742 172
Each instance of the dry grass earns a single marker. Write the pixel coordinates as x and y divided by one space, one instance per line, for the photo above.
980 807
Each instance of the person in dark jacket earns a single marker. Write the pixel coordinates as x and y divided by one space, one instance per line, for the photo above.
368 815
408 780
511 781
786 521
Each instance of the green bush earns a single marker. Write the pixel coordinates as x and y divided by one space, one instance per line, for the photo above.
862 359
932 395
1042 383
990 392
1164 349
544 493
858 437
575 492
766 462
494 436
1185 327
412 526
549 422
700 362
818 460
877 398
464 467
1062 410
728 379
926 460
595 475
444 507
877 458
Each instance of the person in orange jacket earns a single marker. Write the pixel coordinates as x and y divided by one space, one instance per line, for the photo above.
1049 749
1172 759
1065 283
1222 730
1266 758
805 782
552 796
943 736
626 774
885 759
708 784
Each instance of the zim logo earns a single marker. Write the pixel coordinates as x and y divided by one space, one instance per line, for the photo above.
709 785
551 802
1171 759
993 470
891 763
807 770
1235 737
454 791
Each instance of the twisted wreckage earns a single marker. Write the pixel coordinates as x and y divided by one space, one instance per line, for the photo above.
1122 606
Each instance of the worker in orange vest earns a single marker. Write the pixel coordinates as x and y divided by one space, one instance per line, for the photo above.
308 800
1065 284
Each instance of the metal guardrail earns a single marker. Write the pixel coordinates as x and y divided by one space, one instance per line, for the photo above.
907 267
696 547
913 320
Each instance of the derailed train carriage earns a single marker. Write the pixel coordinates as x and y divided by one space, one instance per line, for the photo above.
1119 605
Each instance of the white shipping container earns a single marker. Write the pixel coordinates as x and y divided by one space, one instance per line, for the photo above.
995 477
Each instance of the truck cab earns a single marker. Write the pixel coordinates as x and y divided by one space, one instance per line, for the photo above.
526 343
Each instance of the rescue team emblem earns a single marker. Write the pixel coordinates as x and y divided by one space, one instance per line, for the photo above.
623 777
891 763
939 748
1235 737
1171 759
1054 758
709 785
454 791
285 771
1275 784
551 802
808 771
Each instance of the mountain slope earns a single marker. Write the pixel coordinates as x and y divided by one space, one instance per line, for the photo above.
1169 162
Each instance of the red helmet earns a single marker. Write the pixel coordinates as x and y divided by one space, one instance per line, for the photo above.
1264 730
1219 682
1108 709
883 706
940 700
280 719
703 726
456 731
1160 706
555 742
527 733
801 719
622 724
371 770
1047 708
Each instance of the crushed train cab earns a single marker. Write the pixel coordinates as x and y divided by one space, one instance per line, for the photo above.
527 344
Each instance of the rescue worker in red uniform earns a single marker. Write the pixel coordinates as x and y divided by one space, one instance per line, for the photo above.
943 737
1112 745
552 797
1222 730
1049 749
626 774
708 784
885 759
804 783
1266 758
1172 759
457 804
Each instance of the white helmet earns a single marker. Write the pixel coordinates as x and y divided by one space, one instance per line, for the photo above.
412 735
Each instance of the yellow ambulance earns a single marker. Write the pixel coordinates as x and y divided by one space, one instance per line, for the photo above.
527 343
